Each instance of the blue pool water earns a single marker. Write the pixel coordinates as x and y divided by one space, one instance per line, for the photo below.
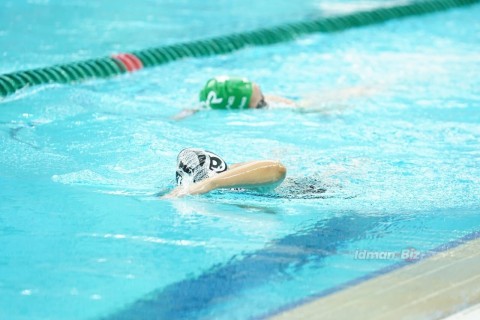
392 133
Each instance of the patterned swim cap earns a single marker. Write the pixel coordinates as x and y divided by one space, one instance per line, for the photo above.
194 165
226 93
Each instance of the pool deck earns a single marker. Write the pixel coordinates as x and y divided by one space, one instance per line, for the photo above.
472 313
444 285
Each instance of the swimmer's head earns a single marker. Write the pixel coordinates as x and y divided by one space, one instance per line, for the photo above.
231 93
194 165
257 100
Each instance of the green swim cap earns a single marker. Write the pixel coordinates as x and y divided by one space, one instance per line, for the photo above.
226 93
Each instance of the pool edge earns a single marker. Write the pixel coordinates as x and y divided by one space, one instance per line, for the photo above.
391 293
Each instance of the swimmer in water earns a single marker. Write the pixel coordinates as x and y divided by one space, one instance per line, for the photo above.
201 171
234 93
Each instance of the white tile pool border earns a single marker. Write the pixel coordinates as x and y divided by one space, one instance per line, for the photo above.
472 313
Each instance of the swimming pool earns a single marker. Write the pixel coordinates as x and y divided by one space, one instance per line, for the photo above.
83 235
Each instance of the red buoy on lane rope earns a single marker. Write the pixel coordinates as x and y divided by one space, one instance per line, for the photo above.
130 61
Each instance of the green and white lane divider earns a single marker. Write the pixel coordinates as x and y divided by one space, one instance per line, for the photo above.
136 60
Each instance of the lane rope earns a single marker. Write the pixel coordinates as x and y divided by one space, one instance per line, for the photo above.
130 62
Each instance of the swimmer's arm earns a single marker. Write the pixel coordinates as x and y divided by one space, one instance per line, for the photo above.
247 175
327 101
278 99
234 165
250 174
185 113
